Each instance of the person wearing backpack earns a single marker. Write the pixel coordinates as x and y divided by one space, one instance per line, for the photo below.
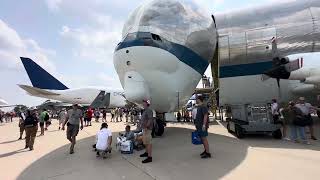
47 120
31 128
43 116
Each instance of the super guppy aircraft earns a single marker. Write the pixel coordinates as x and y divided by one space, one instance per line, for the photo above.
167 46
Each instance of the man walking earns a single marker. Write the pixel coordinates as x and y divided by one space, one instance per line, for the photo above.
147 126
73 119
202 124
31 128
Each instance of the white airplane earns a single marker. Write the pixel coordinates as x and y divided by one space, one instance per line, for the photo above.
167 46
47 86
4 104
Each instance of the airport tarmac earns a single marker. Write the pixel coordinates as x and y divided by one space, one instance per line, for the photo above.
174 157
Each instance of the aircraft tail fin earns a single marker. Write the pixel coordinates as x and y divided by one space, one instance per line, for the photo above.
39 77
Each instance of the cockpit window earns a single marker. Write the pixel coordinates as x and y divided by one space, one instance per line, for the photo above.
178 21
131 37
156 37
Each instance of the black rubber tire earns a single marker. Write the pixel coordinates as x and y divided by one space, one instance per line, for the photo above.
277 134
228 128
239 132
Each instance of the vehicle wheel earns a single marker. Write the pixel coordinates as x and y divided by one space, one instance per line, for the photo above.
277 134
228 128
239 132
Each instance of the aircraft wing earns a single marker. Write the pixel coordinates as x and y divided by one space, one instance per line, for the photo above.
6 106
37 91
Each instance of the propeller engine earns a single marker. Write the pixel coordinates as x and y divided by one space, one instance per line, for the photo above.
281 67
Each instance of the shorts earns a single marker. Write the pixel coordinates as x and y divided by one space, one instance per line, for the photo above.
41 124
89 119
72 130
202 133
146 137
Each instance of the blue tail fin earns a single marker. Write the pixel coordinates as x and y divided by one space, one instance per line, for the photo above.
39 77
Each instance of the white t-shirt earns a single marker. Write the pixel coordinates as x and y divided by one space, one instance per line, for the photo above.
305 108
194 112
102 139
275 109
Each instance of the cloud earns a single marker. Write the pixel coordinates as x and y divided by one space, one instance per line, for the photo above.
95 42
53 5
12 47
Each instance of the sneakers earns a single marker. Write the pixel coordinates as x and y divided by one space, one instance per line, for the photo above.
144 154
203 153
71 151
306 142
206 155
314 138
286 139
98 154
148 160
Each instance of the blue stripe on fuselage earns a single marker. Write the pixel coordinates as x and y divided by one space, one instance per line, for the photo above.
245 69
183 53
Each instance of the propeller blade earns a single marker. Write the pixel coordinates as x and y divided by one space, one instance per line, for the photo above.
279 88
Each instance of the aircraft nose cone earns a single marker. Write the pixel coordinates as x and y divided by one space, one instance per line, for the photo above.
135 87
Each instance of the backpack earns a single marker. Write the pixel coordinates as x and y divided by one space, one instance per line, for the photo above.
30 121
46 117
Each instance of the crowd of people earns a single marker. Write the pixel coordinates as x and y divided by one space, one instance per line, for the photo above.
295 117
6 117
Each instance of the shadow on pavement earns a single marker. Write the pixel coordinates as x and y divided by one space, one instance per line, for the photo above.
12 141
174 157
13 153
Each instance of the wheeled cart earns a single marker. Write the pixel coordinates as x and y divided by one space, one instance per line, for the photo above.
253 119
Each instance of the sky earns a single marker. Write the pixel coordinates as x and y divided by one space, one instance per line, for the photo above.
74 40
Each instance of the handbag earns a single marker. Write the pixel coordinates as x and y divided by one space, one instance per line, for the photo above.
195 138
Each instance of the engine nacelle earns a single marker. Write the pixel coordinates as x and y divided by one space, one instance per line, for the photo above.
305 89
312 80
300 75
